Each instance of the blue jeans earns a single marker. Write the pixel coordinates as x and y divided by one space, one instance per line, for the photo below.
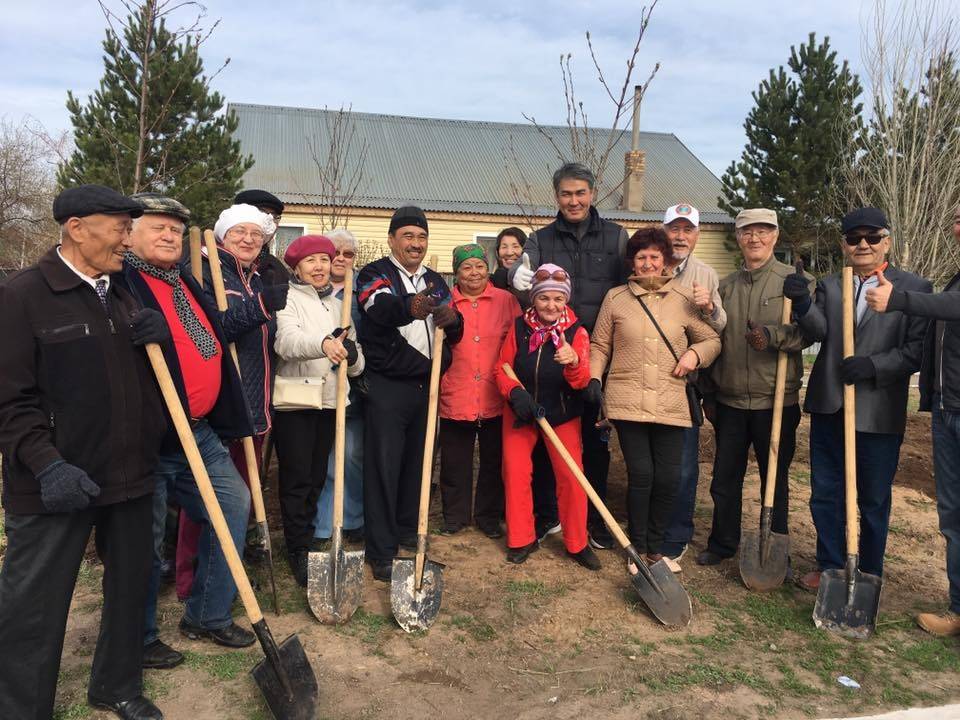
213 590
679 529
877 458
946 469
352 483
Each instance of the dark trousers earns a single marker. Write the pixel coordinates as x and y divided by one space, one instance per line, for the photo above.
946 470
877 458
40 568
679 531
393 435
544 487
596 458
303 439
652 453
736 431
457 440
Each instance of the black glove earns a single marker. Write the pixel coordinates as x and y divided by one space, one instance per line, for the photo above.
524 407
65 487
593 393
349 345
795 287
758 337
444 316
856 368
149 326
274 297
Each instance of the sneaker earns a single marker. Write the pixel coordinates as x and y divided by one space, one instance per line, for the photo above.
160 656
382 570
232 636
587 558
519 555
709 557
600 537
548 527
945 624
676 556
810 582
491 530
672 565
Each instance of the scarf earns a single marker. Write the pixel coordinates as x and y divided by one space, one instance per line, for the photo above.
204 341
541 333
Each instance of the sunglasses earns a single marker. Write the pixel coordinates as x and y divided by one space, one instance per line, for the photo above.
348 254
543 275
872 239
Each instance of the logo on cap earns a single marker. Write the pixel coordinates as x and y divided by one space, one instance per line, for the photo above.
684 210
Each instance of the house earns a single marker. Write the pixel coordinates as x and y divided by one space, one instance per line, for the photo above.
472 178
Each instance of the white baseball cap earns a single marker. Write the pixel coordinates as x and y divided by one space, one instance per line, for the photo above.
683 210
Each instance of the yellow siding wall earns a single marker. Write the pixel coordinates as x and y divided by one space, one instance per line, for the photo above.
448 230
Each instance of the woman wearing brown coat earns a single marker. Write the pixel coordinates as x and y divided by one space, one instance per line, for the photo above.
645 385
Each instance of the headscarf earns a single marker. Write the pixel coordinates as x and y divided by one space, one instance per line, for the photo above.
465 252
541 333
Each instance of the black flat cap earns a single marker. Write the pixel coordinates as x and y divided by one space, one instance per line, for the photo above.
408 215
864 217
86 200
259 198
157 204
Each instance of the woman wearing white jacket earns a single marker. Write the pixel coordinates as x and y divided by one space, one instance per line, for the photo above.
309 346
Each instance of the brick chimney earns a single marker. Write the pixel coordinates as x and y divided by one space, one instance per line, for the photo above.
635 163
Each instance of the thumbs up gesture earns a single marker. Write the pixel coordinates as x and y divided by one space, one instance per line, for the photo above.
523 275
878 297
566 355
702 298
795 287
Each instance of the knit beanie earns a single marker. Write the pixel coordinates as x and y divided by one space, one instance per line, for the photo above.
236 214
550 284
408 215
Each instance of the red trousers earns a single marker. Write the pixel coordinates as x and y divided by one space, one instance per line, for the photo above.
518 444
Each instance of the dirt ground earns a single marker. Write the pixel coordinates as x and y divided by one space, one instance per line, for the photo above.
548 639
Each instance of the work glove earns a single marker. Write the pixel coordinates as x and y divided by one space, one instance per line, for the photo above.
65 487
149 326
795 287
524 407
349 345
758 337
857 368
523 275
444 316
593 393
421 305
274 297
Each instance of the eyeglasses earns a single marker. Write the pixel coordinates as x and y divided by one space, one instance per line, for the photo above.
543 275
872 239
240 233
346 254
759 233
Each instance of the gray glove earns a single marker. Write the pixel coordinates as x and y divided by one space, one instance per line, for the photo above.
65 487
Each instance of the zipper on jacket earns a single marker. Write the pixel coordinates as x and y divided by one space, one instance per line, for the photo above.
536 375
67 328
943 337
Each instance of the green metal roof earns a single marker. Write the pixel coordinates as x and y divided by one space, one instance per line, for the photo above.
458 165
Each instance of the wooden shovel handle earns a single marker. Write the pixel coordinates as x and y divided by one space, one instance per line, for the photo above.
577 472
776 422
340 437
850 420
196 259
199 470
428 443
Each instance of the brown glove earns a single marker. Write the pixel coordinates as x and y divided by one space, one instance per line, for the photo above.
421 304
444 316
758 337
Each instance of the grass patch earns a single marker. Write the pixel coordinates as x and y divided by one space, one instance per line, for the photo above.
72 712
793 684
710 675
534 589
477 628
933 655
366 625
222 666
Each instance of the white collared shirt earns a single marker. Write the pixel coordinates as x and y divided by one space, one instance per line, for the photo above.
91 281
418 333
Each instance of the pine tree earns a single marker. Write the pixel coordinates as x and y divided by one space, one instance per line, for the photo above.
799 134
154 124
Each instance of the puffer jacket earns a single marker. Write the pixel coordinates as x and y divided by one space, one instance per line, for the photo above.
640 385
301 328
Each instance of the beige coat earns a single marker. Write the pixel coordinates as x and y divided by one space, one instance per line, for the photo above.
640 386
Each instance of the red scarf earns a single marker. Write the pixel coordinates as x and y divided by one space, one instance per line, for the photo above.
542 332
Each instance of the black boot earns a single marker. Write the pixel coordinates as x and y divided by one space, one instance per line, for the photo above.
520 554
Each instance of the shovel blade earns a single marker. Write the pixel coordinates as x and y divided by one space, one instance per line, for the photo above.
301 702
334 585
664 596
415 610
763 565
832 610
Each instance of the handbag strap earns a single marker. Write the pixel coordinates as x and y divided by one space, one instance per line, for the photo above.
657 326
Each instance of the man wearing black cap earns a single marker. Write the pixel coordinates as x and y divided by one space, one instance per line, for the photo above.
80 427
889 348
270 267
402 301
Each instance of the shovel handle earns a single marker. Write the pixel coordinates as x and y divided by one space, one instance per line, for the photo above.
196 259
850 420
575 469
199 470
340 436
427 468
776 422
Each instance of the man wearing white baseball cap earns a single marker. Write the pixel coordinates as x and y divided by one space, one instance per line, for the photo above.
682 225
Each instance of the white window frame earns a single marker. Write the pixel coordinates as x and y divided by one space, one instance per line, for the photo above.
273 240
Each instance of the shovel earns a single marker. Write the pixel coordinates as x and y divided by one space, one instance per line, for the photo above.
848 600
656 584
284 676
416 585
764 555
249 452
335 578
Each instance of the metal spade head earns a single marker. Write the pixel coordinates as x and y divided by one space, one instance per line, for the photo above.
661 591
294 697
334 584
763 561
848 602
415 610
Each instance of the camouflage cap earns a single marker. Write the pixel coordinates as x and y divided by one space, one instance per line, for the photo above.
157 204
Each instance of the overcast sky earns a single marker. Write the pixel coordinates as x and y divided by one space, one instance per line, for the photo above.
492 60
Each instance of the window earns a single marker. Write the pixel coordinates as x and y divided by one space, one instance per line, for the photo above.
285 235
489 245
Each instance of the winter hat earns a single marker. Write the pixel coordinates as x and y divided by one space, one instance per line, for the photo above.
308 245
260 198
408 215
465 252
236 214
550 282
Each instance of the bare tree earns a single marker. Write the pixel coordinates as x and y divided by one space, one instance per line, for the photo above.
906 160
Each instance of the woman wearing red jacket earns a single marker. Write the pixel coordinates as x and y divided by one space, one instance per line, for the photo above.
550 353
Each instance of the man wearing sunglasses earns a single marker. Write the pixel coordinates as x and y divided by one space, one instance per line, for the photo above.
888 349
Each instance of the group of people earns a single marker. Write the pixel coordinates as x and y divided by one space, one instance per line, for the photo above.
579 323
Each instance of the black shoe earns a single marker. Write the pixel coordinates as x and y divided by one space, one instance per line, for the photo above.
709 557
520 554
160 656
409 543
546 527
382 570
448 530
600 537
586 557
298 566
138 708
232 636
320 545
491 530
355 535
